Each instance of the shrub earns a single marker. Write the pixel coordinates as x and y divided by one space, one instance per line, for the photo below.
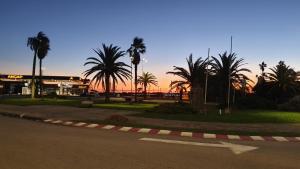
292 105
116 118
255 102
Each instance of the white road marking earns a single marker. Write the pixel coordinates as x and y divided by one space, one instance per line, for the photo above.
125 128
257 138
67 123
48 120
144 130
235 148
233 137
57 122
164 132
79 124
279 138
206 135
92 125
186 134
108 127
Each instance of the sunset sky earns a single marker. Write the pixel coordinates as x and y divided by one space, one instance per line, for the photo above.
262 31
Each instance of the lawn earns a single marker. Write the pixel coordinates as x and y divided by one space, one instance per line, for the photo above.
183 112
44 101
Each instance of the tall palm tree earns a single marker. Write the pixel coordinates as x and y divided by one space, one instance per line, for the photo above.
282 81
229 70
147 79
136 49
35 43
262 67
191 77
42 52
106 67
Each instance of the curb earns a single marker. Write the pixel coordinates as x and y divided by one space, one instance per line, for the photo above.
156 131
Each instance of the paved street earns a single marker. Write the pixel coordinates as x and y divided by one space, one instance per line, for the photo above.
33 145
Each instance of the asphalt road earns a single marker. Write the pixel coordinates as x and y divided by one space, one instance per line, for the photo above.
34 145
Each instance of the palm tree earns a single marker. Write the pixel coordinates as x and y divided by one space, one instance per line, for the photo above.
42 52
194 76
35 43
262 67
147 79
229 67
106 67
282 81
136 49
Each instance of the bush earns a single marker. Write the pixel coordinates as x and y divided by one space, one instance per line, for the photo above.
292 105
255 102
116 119
172 108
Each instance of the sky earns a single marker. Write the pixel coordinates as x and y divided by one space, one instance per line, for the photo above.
172 29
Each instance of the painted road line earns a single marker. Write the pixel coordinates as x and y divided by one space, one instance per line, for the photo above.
57 122
233 137
125 128
92 125
67 123
279 138
48 120
144 130
164 132
206 135
257 138
108 127
235 148
186 134
79 124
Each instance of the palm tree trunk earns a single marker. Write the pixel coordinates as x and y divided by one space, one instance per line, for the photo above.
33 76
41 83
135 82
107 88
145 89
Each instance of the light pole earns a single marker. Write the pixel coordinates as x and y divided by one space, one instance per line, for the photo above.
206 78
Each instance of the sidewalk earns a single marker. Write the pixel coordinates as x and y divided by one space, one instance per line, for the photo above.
88 114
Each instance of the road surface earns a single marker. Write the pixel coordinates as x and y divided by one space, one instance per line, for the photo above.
34 145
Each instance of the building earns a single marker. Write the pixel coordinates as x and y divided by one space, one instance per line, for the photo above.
60 85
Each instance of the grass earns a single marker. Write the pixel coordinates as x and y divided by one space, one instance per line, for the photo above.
184 113
127 106
38 101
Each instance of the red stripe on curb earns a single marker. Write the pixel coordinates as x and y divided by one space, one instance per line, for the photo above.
134 129
246 138
222 136
153 131
198 135
268 138
175 133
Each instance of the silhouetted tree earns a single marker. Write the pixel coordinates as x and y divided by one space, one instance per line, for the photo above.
146 80
136 49
106 67
42 52
36 43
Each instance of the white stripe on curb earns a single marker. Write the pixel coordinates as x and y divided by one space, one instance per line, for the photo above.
279 138
92 125
108 127
297 138
144 130
206 135
125 128
48 120
233 137
257 138
57 122
79 124
67 123
164 132
186 134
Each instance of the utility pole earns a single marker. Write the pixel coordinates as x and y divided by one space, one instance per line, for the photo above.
206 78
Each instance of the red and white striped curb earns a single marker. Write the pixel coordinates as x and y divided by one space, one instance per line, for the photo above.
174 133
